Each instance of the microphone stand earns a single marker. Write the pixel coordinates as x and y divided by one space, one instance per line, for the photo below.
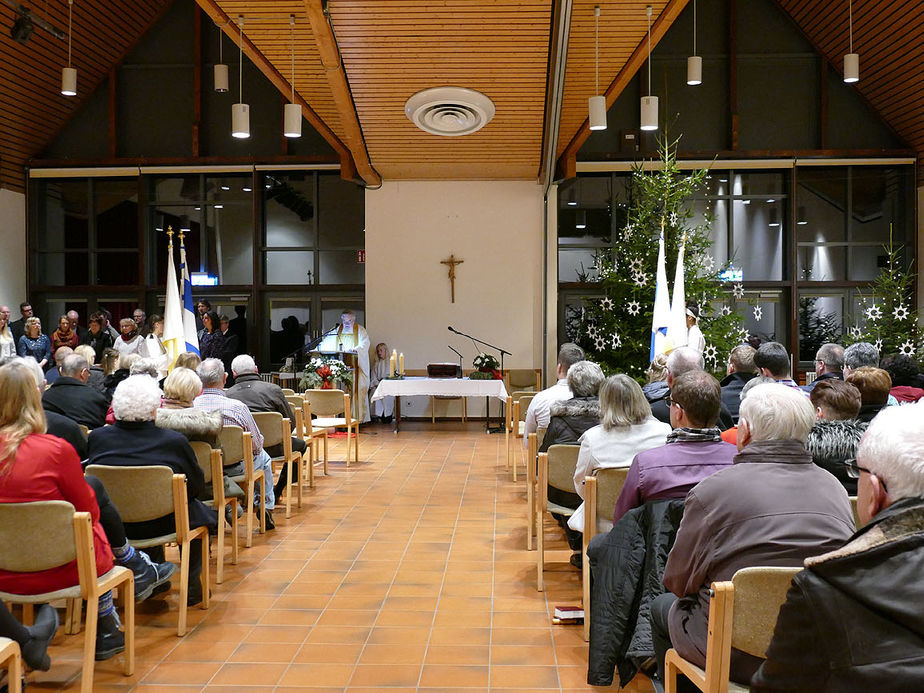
314 342
498 429
459 354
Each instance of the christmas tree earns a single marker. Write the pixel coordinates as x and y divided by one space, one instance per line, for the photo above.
887 320
615 331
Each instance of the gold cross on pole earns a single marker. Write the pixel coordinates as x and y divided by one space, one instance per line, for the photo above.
452 262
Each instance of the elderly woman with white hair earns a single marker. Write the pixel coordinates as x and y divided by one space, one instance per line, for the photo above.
134 440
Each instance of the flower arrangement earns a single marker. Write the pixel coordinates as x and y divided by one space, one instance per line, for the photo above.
323 371
487 367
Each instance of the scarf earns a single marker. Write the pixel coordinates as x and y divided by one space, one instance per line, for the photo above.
694 435
130 336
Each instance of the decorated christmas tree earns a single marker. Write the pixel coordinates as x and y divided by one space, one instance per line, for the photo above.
615 331
887 320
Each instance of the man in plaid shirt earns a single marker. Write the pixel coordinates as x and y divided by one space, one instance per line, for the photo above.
213 376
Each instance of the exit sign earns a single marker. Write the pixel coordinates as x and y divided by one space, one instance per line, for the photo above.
361 257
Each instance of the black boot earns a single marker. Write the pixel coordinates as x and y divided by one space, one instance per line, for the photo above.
109 639
35 649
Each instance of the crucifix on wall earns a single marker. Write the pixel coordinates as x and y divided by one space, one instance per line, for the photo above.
452 262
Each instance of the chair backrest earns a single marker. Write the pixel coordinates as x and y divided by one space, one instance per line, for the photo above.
326 403
562 461
609 486
522 379
295 401
203 452
231 442
287 391
540 436
270 425
36 536
140 493
856 514
524 400
759 594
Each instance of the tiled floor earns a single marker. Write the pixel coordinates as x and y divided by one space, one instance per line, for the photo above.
406 572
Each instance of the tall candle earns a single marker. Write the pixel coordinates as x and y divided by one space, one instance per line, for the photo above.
391 364
401 363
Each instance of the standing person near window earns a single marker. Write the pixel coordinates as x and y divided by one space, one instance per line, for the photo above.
98 337
7 344
130 342
384 408
211 341
35 344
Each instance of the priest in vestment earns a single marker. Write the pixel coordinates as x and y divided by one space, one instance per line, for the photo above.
351 336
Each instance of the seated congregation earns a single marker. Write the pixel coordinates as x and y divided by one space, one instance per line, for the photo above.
751 478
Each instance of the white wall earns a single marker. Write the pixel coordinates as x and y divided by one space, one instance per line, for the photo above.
13 257
496 228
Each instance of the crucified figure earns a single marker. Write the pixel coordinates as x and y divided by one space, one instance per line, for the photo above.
452 262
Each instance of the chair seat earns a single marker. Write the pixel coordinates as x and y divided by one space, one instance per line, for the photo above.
701 673
327 423
315 430
65 593
156 541
559 509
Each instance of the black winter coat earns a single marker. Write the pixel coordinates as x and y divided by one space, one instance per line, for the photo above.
853 620
76 400
569 419
732 385
627 565
661 410
830 443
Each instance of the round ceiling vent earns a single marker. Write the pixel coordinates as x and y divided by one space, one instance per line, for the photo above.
449 111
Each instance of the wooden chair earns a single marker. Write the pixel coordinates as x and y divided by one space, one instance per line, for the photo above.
210 462
47 534
600 495
742 614
523 379
856 514
434 398
288 391
328 405
534 440
277 430
556 469
148 493
236 446
518 424
308 430
11 660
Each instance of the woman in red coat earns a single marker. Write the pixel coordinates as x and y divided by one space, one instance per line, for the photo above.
38 467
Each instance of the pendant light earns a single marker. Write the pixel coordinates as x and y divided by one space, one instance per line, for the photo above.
69 74
581 222
851 60
240 112
220 71
649 103
293 112
596 105
694 62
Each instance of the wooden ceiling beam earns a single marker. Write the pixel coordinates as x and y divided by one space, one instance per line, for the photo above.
332 61
229 26
568 159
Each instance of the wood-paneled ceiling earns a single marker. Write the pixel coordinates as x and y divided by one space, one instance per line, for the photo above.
357 65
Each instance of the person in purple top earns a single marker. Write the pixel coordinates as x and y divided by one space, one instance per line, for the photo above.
694 449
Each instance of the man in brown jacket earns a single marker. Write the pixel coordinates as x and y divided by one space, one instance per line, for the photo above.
772 507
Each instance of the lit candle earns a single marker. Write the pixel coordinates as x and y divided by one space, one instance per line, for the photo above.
401 363
391 362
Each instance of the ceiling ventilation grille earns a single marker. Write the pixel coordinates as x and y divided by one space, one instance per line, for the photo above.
449 111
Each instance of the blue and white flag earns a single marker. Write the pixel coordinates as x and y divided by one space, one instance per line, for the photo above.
661 315
677 328
174 340
189 318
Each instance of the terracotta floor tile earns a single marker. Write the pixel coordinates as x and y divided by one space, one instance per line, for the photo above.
472 619
458 654
264 652
521 636
404 618
522 654
438 675
524 676
402 653
460 636
316 675
201 651
338 634
187 673
339 653
386 675
249 674
385 635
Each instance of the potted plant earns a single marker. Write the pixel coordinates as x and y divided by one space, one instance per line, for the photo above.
488 368
323 371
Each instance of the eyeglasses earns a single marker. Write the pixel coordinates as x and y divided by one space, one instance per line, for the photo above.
674 402
853 471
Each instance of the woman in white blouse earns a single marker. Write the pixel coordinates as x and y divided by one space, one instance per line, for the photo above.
7 345
626 429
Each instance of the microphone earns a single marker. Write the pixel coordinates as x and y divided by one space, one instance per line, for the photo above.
450 328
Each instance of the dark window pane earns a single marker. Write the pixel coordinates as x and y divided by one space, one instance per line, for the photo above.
230 234
65 214
176 189
758 241
236 188
762 183
822 263
879 200
63 269
115 203
117 268
290 210
341 267
341 218
821 204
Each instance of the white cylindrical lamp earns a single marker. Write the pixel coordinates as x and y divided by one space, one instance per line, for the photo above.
852 68
293 120
240 120
694 70
69 81
649 113
596 106
220 72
